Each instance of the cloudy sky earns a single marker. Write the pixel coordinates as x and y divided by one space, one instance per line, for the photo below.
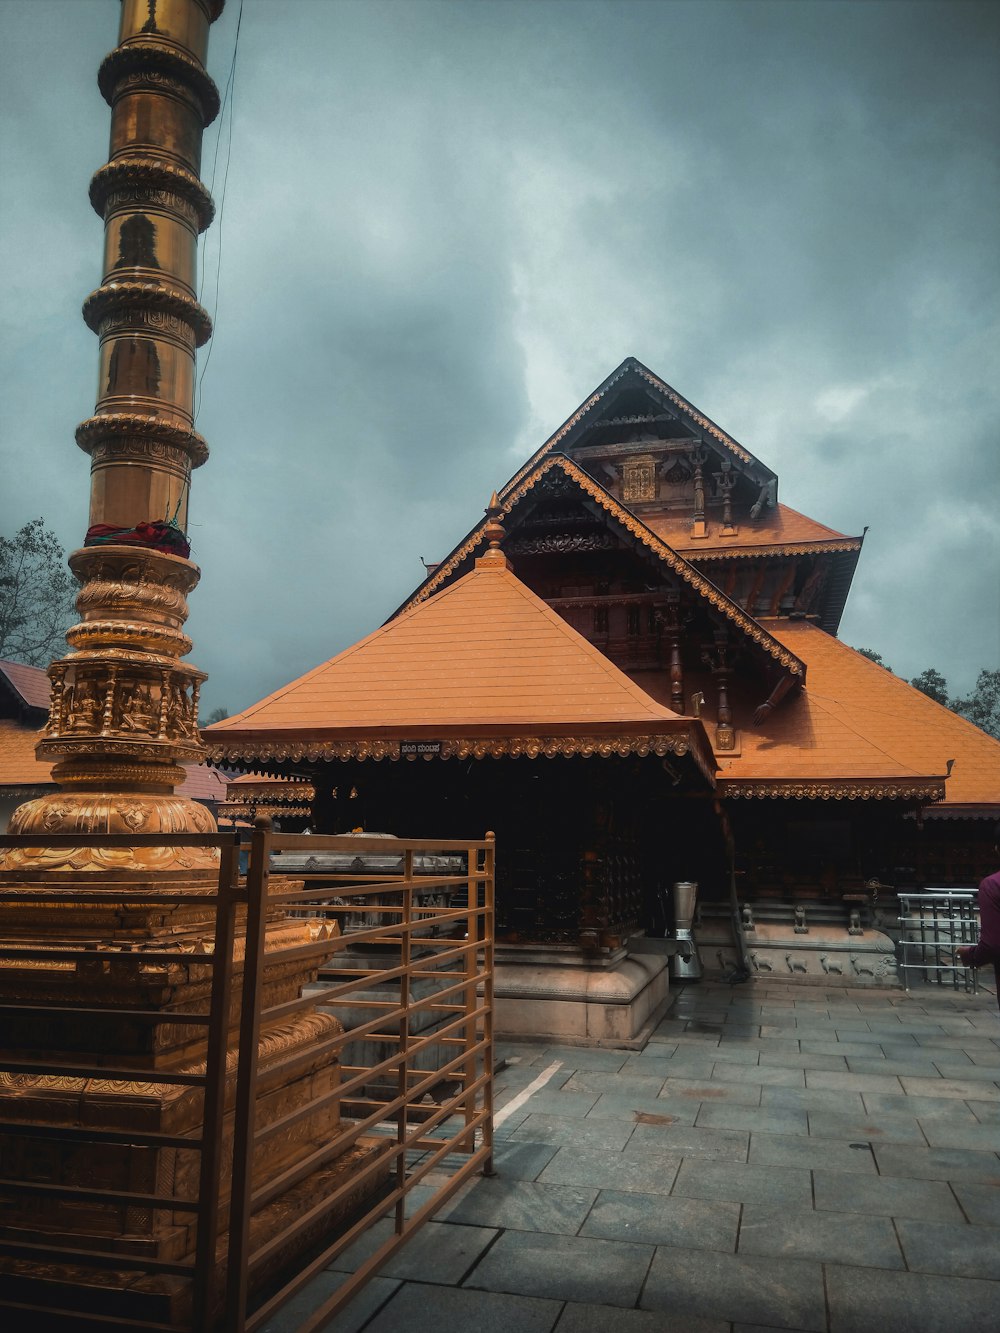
444 223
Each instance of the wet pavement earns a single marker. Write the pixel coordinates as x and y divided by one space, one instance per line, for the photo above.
777 1157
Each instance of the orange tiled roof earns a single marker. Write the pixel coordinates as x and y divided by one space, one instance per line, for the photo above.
779 526
855 720
18 765
31 683
20 768
484 658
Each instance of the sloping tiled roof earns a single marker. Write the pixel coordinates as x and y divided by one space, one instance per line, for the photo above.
20 768
857 721
484 658
18 765
777 527
31 683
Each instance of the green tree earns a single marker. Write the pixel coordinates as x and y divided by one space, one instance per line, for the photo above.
36 595
933 684
982 708
216 715
873 656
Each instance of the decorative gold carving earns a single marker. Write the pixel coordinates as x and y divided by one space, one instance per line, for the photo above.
148 62
149 297
140 181
639 480
846 789
139 437
512 747
756 552
638 529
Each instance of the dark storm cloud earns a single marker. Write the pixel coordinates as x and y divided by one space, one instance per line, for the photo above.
445 223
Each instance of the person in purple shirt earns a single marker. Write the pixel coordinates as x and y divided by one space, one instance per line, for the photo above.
988 948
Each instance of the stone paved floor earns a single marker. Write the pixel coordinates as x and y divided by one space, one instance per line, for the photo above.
776 1158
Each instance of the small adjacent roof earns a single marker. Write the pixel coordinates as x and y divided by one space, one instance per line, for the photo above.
859 730
30 684
18 765
484 659
778 527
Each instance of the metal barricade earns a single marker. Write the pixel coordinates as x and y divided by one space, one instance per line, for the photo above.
933 926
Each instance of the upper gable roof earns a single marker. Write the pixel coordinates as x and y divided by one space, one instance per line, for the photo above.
859 730
633 372
659 549
485 658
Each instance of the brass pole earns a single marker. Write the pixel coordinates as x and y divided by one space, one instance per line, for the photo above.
124 707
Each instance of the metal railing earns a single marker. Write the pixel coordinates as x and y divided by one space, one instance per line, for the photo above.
235 1274
933 926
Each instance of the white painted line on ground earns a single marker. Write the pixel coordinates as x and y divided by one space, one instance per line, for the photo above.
517 1102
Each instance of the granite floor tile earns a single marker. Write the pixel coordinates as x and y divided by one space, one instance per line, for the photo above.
883 1065
884 1196
778 1045
428 1309
814 1099
605 1319
677 1067
353 1317
783 1293
690 1141
738 1182
884 1128
802 1060
439 1252
733 1053
955 1249
566 1104
967 1089
542 1206
860 1037
947 1134
611 1135
987 1113
652 1219
937 1163
828 1237
765 1075
585 1057
980 1203
631 1109
515 1160
898 1103
827 1154
847 1050
567 1268
862 1300
961 1073
676 1090
601 1081
854 1082
755 1119
646 1172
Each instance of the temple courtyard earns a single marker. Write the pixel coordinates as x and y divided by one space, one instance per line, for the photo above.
777 1157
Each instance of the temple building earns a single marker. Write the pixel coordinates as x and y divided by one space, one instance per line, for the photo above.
630 670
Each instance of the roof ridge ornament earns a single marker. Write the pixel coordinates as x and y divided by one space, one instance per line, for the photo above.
494 533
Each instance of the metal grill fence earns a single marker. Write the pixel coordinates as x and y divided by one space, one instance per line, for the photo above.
933 926
426 938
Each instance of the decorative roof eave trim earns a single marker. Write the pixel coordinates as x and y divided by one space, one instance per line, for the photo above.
847 547
250 809
682 567
834 789
688 741
963 810
630 364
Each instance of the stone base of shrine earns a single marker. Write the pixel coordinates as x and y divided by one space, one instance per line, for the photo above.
562 994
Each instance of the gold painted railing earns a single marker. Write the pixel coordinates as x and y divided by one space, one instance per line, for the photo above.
411 948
